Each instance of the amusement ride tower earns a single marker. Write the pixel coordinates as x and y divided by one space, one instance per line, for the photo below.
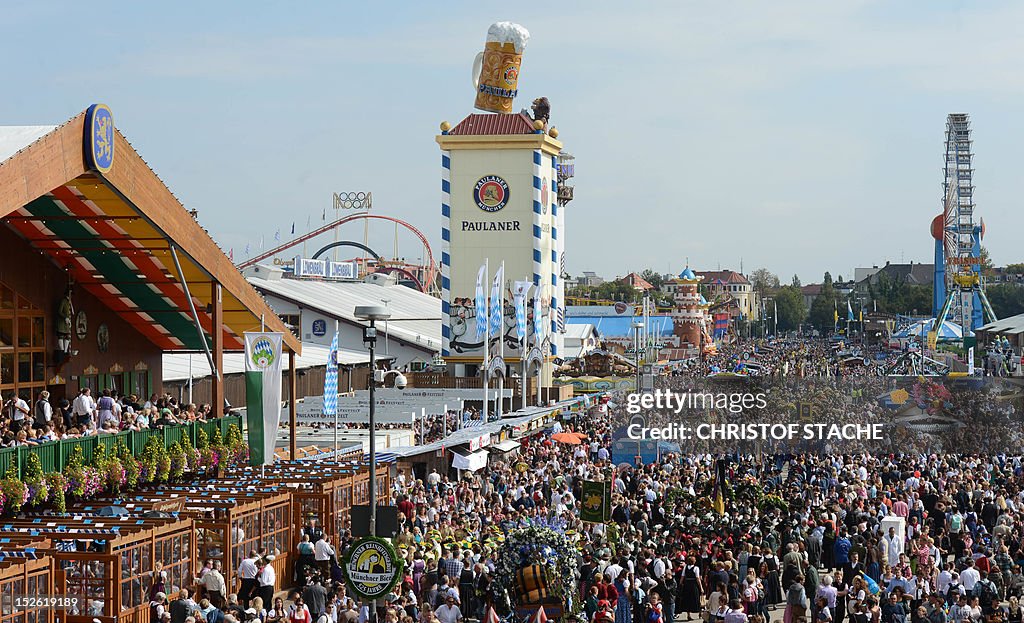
959 291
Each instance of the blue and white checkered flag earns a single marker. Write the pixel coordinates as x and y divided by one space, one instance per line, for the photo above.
497 302
519 296
65 546
331 379
481 305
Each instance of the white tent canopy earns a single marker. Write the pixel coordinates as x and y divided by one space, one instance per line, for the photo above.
471 462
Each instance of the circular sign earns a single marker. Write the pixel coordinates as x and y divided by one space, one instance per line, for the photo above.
81 325
490 193
511 75
372 567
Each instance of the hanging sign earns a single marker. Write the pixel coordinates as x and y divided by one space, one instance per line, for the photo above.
372 567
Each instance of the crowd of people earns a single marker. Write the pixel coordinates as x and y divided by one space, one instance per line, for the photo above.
928 529
27 424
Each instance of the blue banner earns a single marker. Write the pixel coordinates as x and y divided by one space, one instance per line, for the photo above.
331 379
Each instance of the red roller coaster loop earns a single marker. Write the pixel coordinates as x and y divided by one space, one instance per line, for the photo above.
348 219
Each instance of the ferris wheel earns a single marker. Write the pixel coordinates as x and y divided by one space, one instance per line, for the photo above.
959 290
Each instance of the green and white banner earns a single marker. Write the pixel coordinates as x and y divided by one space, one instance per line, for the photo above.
262 394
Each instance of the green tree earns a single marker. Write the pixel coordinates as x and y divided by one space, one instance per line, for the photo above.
1007 299
986 261
898 297
823 310
791 309
1014 269
796 282
763 280
653 277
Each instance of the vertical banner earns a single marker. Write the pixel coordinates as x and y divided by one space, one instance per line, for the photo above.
497 304
519 292
262 394
331 379
593 495
481 304
538 320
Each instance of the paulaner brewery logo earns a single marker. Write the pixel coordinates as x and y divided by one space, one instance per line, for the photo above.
490 193
511 76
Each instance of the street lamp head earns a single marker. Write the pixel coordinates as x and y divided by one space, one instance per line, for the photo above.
372 312
638 325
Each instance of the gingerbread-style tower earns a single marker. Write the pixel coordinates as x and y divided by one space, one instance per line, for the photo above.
688 313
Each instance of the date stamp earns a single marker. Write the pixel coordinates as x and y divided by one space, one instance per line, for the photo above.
47 602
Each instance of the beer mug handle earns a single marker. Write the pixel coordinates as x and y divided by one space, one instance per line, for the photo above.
478 65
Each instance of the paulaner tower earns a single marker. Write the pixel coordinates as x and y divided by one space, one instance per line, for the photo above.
500 204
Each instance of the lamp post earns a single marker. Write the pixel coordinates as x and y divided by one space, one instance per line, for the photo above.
372 313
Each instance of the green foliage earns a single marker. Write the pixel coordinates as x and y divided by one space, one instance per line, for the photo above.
234 439
608 291
202 439
792 311
898 297
1014 269
178 462
32 476
796 282
216 441
653 277
130 464
33 469
99 455
77 459
14 490
1007 299
763 280
57 484
771 501
822 313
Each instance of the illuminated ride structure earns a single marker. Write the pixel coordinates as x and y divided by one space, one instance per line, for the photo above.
959 292
423 276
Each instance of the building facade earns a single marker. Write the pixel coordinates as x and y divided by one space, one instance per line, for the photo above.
499 207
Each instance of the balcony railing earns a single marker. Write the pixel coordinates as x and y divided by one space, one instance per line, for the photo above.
54 455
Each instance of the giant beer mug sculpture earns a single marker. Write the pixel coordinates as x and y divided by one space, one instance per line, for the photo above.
496 69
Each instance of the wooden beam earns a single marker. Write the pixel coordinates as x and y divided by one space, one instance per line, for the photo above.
59 158
217 337
132 178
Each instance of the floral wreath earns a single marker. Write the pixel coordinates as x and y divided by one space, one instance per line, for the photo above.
537 545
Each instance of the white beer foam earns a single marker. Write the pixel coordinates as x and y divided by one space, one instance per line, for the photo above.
508 32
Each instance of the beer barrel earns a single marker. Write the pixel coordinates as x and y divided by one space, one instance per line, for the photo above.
531 578
534 597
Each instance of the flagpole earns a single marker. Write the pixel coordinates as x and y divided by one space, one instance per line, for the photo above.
487 331
501 340
337 330
526 341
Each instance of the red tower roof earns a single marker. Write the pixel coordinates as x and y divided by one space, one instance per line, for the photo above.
480 124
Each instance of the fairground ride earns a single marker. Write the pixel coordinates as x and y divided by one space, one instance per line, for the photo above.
959 292
422 276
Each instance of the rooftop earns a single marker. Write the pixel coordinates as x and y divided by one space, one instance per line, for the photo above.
723 276
486 124
415 316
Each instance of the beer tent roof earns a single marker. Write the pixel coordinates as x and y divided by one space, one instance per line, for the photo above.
113 226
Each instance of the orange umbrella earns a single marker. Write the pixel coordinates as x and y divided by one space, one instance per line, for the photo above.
578 435
567 438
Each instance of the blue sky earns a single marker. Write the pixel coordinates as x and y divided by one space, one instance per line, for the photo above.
797 135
